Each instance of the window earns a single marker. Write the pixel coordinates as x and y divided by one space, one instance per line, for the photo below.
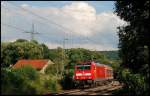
83 67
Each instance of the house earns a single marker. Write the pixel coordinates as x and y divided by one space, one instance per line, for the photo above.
39 64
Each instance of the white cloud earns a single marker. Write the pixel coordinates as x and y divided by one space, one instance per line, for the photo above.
80 11
25 5
79 17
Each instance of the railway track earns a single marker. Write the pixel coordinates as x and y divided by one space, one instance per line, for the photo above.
99 90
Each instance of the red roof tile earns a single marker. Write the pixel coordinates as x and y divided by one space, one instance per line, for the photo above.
37 64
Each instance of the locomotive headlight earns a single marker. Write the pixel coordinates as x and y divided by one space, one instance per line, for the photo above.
87 74
78 74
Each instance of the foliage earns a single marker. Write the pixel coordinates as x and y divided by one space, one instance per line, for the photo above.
111 55
31 82
27 72
21 40
81 55
53 84
14 83
26 80
60 58
22 49
135 36
52 69
46 84
135 84
67 82
45 51
134 45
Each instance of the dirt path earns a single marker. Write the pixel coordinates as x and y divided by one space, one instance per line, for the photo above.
100 90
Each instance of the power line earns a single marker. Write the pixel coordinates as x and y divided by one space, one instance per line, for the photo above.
8 25
47 20
24 31
87 38
41 17
20 29
32 32
21 14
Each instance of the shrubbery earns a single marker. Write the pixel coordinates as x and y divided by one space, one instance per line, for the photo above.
27 80
134 84
27 72
14 83
67 82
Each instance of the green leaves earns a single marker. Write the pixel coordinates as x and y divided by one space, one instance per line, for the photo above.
13 82
22 49
27 81
27 72
132 39
134 36
135 84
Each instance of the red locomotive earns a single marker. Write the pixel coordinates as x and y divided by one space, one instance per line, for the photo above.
91 73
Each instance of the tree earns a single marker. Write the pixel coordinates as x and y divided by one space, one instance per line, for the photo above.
21 40
57 56
15 82
134 44
134 38
45 51
20 49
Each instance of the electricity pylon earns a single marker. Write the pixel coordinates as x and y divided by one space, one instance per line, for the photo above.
63 54
32 32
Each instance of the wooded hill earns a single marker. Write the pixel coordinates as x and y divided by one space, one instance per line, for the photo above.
112 55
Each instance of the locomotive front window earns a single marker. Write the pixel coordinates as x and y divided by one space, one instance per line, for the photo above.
83 67
87 67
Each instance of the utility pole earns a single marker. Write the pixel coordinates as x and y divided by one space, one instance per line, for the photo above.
32 32
63 54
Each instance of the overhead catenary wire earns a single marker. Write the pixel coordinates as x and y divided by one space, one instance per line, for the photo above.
88 38
69 30
29 13
42 18
20 29
8 25
39 16
85 37
50 21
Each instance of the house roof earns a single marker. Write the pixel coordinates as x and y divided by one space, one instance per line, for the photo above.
37 64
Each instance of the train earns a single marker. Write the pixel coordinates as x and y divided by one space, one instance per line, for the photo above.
92 73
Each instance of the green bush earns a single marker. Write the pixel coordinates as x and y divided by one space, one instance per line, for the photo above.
67 82
38 86
134 83
14 83
27 72
51 69
53 84
26 80
49 83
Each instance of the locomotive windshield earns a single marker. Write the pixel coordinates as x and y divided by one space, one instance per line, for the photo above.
83 67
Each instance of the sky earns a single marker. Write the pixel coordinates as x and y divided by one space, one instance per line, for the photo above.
74 24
